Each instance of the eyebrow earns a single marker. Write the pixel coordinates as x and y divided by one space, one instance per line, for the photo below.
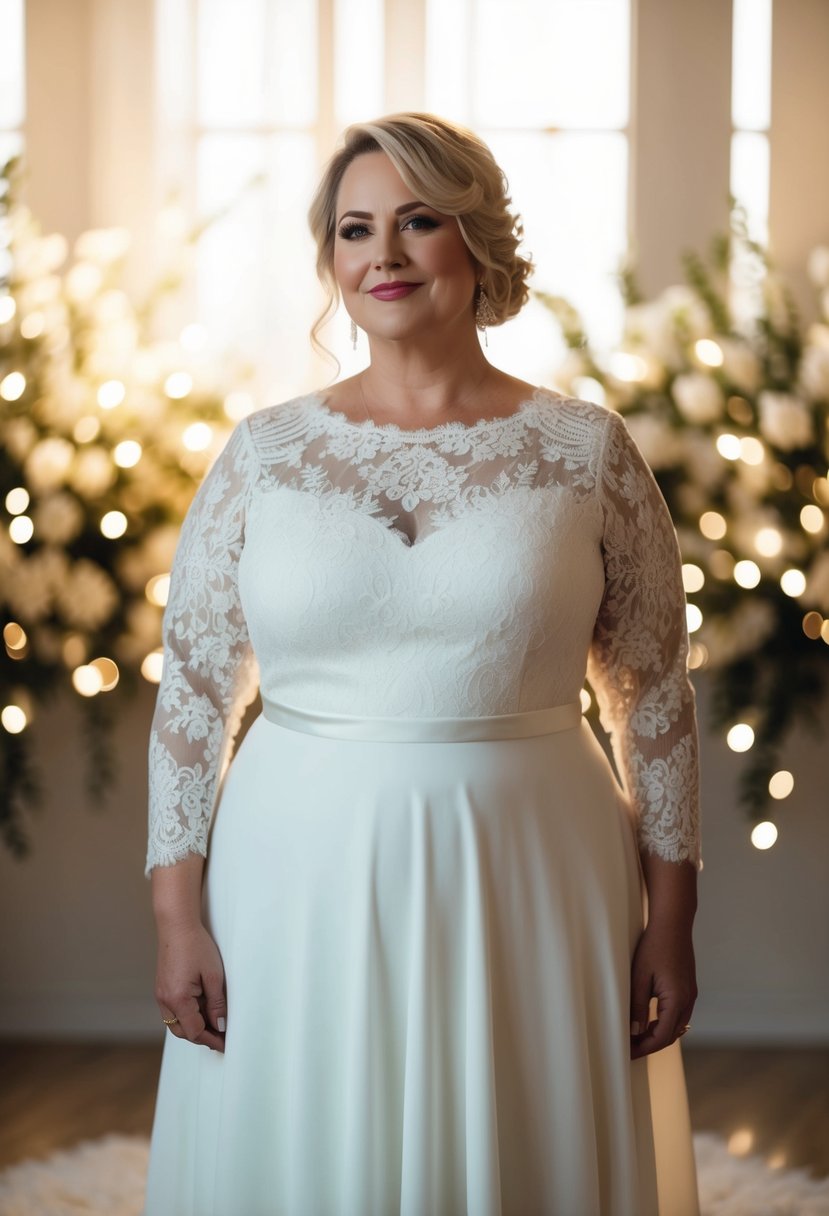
366 215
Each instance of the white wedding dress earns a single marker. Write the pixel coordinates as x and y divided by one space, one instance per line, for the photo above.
422 872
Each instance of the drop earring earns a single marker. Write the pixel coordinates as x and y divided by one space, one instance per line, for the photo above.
484 314
353 334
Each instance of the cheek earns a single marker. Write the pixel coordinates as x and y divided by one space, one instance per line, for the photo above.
348 269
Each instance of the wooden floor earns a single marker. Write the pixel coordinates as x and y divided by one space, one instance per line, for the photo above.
53 1095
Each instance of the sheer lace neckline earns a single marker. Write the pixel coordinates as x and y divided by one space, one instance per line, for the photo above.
340 421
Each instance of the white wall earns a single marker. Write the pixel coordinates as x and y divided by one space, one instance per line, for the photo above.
77 948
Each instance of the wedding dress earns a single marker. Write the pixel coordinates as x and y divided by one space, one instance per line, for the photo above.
422 872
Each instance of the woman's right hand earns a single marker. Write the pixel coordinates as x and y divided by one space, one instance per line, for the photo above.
190 984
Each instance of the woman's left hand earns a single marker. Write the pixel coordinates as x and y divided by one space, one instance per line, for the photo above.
663 967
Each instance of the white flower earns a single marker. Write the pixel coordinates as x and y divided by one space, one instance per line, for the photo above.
785 420
660 444
684 306
698 397
58 518
651 327
88 596
740 364
47 463
817 266
92 473
814 372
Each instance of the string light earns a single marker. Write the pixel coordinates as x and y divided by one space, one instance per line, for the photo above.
693 578
110 394
793 582
157 590
728 447
811 518
741 737
12 386
153 666
812 625
114 524
21 529
781 784
709 352
197 437
127 453
746 573
586 700
13 719
178 385
741 1142
17 500
87 680
752 450
768 542
764 835
712 525
693 617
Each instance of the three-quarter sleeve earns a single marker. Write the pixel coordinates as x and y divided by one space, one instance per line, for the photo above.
637 664
209 673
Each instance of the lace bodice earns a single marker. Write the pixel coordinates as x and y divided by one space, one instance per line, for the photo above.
361 568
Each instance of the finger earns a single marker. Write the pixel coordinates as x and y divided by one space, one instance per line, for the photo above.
640 999
215 1002
660 1033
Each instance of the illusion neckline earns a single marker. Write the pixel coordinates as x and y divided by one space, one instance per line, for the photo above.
453 426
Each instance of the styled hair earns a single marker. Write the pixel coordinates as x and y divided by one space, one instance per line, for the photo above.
450 169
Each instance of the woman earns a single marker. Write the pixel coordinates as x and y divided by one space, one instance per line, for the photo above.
415 947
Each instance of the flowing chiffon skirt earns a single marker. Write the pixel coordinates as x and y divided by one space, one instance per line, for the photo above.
427 950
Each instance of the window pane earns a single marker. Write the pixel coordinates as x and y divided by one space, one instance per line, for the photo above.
570 70
448 61
12 59
231 41
291 71
751 56
359 36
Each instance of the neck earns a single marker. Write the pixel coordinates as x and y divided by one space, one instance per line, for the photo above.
426 379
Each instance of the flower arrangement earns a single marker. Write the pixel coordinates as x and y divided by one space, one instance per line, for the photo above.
729 402
105 433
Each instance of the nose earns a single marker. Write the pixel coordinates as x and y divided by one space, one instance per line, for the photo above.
389 251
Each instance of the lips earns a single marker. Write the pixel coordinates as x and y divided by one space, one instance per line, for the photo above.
393 291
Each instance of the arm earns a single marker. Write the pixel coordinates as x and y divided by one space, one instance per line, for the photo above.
209 676
637 668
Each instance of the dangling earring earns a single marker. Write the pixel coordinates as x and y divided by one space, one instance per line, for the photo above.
484 314
353 334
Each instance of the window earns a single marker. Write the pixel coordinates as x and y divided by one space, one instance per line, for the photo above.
262 88
751 120
12 79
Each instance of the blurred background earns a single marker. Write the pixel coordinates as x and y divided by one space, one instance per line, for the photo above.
191 134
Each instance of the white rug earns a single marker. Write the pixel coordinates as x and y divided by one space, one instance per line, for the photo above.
106 1178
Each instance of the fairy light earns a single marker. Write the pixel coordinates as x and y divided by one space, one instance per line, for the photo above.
108 671
812 625
768 542
820 489
752 450
586 700
197 437
178 385
712 525
193 337
21 529
721 564
17 500
764 835
693 617
15 639
793 582
625 365
709 352
728 447
157 590
153 666
74 650
824 631
87 680
86 429
741 1142
697 655
238 404
781 783
746 573
110 394
7 309
13 386
114 524
693 578
14 719
811 518
127 453
740 737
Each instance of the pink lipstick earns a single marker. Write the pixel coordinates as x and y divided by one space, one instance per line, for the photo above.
393 291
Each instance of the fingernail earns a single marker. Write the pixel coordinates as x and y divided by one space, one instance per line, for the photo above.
220 1022
635 1028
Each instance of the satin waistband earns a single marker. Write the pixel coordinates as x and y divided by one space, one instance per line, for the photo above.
425 730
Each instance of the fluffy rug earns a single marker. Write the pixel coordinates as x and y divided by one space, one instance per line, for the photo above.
106 1178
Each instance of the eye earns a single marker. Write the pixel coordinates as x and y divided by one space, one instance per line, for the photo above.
347 231
425 220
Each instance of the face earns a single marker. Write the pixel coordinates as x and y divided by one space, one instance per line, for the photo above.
395 238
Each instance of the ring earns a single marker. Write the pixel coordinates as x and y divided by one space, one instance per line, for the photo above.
684 1028
169 1021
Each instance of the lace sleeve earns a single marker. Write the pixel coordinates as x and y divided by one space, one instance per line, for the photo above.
637 664
210 674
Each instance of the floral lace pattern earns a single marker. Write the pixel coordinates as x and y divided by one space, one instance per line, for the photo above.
460 569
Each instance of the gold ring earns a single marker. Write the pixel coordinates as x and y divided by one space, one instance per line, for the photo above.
169 1021
684 1028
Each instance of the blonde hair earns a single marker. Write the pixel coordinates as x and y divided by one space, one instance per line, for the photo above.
450 169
